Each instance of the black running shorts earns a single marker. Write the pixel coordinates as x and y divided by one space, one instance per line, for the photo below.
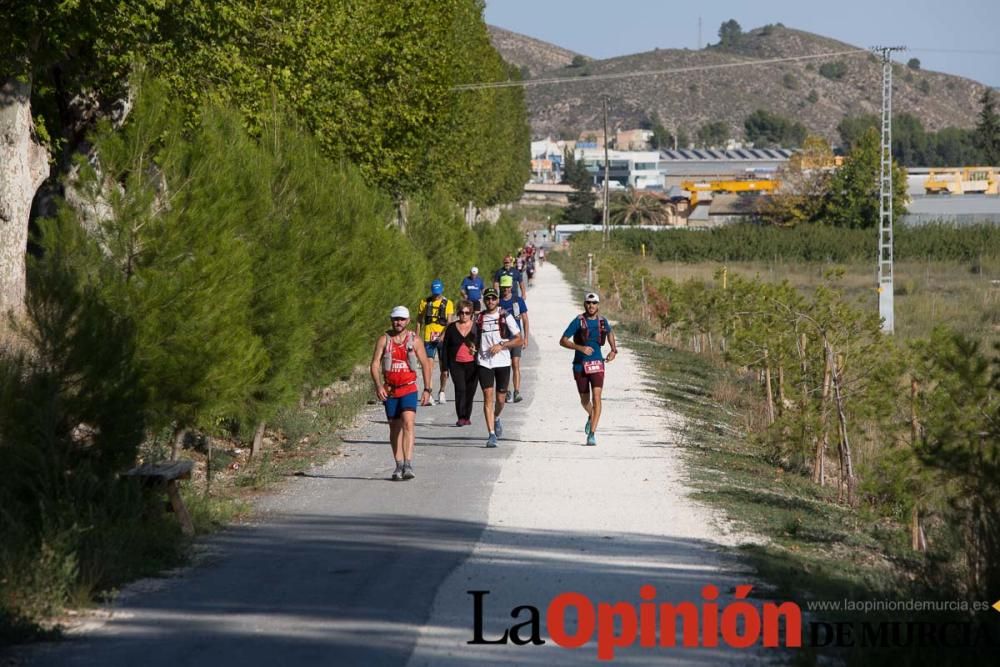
499 376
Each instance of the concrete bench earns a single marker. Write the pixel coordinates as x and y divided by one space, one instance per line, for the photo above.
166 475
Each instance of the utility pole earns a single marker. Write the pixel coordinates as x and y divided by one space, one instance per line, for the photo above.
885 263
605 226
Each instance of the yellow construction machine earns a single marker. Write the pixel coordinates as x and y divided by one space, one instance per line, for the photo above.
965 180
767 185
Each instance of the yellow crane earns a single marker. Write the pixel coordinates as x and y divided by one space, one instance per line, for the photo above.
731 185
965 180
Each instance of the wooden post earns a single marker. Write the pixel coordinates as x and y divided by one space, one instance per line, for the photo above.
781 389
178 443
819 464
767 385
918 542
845 442
187 526
258 440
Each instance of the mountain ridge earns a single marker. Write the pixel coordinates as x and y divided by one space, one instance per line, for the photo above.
818 93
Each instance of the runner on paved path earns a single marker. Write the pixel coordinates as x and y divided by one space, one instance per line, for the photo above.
498 333
433 315
586 335
393 370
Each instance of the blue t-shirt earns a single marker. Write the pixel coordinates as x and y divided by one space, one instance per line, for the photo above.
473 287
593 340
513 273
508 305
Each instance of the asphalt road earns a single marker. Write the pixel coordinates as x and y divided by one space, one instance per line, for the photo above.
345 567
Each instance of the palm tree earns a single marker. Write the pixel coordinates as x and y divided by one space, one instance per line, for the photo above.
636 208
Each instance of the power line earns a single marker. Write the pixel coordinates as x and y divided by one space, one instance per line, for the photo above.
979 52
633 75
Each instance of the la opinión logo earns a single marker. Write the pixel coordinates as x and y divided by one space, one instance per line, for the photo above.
738 624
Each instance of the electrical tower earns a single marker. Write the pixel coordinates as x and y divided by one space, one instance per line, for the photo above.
605 224
885 264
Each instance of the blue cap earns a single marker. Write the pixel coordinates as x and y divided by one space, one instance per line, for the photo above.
437 287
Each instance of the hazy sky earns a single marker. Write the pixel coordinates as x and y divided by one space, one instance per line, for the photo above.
944 34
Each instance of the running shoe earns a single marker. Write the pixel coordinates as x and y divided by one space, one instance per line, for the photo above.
517 398
408 471
397 474
491 441
460 422
498 427
586 427
591 439
442 399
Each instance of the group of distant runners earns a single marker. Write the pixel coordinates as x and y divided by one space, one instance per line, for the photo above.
479 340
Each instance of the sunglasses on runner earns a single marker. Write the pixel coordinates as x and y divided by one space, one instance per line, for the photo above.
590 303
491 298
465 312
399 319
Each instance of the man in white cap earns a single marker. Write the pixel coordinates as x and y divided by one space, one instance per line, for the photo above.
394 372
586 335
472 289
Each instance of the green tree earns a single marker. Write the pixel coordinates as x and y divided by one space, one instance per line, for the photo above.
960 441
988 129
805 185
635 207
582 201
766 129
730 34
852 128
913 63
713 134
662 138
834 71
51 52
854 188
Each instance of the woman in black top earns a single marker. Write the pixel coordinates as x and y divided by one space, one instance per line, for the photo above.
460 354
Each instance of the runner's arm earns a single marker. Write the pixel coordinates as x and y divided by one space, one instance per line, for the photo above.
568 343
376 368
425 370
524 328
614 346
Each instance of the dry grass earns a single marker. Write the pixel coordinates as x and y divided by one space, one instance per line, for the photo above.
963 296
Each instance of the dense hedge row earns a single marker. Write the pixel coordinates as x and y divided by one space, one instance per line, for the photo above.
224 277
812 243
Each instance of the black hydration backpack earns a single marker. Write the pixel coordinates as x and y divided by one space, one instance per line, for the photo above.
582 334
504 329
442 313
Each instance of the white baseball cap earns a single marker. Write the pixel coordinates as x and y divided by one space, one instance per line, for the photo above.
474 269
592 296
400 311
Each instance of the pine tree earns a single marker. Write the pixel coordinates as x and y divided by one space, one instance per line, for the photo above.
988 129
181 265
582 200
854 189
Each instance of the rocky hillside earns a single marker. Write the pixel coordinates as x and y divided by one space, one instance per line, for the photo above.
528 53
818 93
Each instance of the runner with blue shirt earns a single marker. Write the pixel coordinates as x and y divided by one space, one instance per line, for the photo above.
472 289
519 311
586 335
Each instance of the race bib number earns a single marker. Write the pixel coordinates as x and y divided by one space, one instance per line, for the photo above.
591 367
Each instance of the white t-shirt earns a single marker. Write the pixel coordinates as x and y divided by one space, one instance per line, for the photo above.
491 336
